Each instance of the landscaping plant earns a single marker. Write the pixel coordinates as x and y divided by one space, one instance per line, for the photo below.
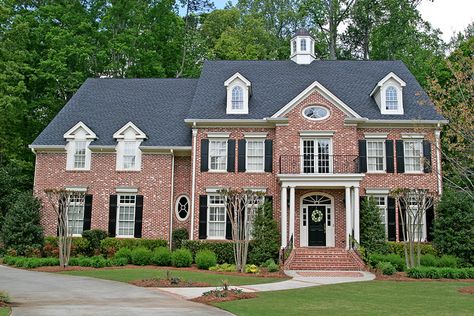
265 236
178 236
124 253
205 259
141 256
94 238
386 268
182 258
372 231
161 256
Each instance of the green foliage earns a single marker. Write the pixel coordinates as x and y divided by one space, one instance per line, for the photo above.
266 237
386 268
124 253
161 256
397 248
372 231
447 261
225 267
141 256
179 235
21 227
4 297
397 261
205 259
428 261
223 250
30 263
118 261
182 258
273 267
438 273
109 245
454 226
251 268
267 263
94 237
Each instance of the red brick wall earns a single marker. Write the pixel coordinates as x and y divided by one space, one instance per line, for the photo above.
182 186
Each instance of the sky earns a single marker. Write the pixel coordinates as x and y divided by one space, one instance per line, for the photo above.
450 16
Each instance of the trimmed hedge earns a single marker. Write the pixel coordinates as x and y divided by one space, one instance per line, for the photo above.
30 263
397 262
182 258
205 259
161 256
110 245
445 261
141 256
438 273
397 248
124 253
224 250
386 268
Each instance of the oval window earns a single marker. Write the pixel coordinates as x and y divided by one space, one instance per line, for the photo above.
316 112
182 207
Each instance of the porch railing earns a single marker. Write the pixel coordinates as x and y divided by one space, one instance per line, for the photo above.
285 252
319 164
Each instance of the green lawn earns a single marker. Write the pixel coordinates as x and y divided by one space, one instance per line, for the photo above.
214 279
4 311
365 298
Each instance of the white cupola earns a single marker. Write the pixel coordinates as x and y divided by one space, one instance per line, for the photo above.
302 47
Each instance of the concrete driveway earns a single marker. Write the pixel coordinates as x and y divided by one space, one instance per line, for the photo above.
39 293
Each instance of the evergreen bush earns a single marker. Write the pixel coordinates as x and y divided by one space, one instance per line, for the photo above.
224 250
428 261
94 237
182 258
205 259
372 231
141 256
124 253
386 268
266 237
178 236
161 256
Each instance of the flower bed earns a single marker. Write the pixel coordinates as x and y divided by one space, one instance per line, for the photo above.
224 295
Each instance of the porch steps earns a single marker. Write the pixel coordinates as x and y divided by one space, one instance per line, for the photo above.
324 259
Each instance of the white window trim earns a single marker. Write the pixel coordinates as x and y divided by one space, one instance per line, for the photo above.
118 216
318 118
384 158
421 171
211 139
383 97
208 216
120 149
79 132
315 139
385 197
238 80
247 155
83 213
176 207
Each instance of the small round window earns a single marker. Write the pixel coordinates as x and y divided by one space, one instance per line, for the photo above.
316 112
182 207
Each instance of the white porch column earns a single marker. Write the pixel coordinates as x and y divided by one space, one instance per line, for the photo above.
348 216
284 212
356 214
292 213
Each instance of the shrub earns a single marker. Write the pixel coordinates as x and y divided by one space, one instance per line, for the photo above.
397 248
178 236
30 263
141 256
273 267
224 250
110 245
428 261
372 231
80 246
453 226
21 226
98 262
4 298
182 258
118 261
124 253
447 261
225 267
386 268
94 237
268 262
205 259
251 268
266 237
161 256
394 259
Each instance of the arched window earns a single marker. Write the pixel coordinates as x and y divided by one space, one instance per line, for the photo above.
182 207
303 45
391 98
237 98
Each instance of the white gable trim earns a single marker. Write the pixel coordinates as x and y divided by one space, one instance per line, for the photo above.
391 75
325 92
235 76
70 134
120 133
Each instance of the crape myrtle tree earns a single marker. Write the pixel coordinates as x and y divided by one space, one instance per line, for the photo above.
412 205
62 201
241 207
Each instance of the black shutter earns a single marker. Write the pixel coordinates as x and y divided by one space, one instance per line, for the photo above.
400 157
268 155
112 215
429 223
389 155
362 155
400 221
427 156
391 219
138 216
228 225
202 216
231 155
87 212
204 155
241 165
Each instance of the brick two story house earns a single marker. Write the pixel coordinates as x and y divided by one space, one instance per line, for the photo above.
313 135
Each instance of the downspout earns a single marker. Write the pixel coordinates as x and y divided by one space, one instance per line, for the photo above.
193 182
438 160
171 198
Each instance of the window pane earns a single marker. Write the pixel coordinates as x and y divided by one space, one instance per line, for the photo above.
375 155
129 155
76 214
80 154
237 98
126 215
216 216
391 99
413 155
255 155
218 155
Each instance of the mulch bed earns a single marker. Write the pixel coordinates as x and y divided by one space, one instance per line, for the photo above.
230 296
467 290
3 304
402 277
167 283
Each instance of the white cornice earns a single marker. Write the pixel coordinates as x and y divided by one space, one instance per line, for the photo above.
391 75
47 148
366 123
236 123
139 134
255 135
218 134
237 76
80 125
317 133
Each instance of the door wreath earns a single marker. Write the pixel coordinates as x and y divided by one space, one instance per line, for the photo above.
317 216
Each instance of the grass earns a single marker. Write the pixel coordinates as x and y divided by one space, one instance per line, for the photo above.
213 279
4 311
365 298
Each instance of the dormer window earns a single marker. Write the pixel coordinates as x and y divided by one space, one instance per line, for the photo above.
238 94
237 98
388 94
129 138
303 45
391 99
78 140
294 47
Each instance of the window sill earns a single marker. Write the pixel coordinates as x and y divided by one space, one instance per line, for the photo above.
78 170
217 171
215 238
255 171
376 172
128 170
126 236
413 172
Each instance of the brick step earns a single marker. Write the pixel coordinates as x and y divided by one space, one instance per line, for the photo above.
328 259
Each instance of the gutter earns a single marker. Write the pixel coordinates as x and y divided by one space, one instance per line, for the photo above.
171 198
193 183
366 121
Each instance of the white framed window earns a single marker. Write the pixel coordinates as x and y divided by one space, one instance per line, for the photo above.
316 155
316 112
253 206
303 45
75 213
126 204
382 204
255 157
216 217
237 98
413 155
375 155
80 154
78 139
182 207
218 155
130 149
391 98
129 155
412 214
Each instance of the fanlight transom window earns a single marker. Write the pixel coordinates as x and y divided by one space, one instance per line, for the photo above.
317 199
391 98
237 98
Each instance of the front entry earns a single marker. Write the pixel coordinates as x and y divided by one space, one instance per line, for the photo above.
317 225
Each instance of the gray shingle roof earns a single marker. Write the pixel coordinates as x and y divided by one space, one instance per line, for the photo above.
275 83
159 106
156 106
